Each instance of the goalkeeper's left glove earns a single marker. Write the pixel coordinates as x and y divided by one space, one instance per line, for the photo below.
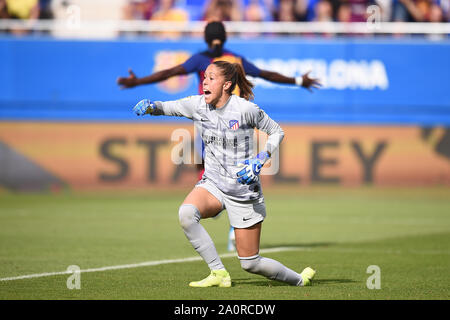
252 168
143 107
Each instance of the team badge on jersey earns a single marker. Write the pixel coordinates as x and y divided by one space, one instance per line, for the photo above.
234 124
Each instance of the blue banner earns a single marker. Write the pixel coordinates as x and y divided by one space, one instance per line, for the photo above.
376 81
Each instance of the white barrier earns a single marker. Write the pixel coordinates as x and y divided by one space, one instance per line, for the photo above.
72 27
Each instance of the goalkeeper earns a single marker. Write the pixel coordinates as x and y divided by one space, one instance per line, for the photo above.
215 36
231 177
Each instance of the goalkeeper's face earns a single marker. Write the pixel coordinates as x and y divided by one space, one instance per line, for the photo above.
215 87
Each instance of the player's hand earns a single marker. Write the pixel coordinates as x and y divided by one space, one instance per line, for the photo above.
129 82
143 107
251 168
310 83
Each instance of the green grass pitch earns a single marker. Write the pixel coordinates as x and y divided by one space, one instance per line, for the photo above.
338 231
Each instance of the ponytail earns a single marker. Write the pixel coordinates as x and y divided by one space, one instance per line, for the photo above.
242 82
235 73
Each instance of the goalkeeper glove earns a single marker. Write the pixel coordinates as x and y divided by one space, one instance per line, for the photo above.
143 107
252 168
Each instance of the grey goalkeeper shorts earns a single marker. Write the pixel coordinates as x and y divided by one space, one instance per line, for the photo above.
242 214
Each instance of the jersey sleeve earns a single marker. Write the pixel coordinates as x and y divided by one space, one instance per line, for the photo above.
180 108
250 68
260 120
191 64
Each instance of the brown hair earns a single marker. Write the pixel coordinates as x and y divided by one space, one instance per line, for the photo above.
235 73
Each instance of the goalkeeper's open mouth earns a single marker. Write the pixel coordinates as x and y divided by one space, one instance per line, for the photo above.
208 95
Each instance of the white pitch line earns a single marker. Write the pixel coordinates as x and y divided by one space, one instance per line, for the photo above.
144 264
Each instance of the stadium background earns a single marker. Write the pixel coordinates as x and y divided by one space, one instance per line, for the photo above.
375 141
381 118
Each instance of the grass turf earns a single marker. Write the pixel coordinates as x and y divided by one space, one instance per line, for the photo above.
338 231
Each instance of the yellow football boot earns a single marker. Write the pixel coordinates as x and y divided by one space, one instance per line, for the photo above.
307 276
220 278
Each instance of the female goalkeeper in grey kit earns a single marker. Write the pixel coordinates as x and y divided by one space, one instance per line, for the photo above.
231 177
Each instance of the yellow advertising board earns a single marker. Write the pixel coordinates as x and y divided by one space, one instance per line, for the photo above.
137 155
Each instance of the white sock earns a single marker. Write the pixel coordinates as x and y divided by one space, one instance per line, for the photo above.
271 269
198 237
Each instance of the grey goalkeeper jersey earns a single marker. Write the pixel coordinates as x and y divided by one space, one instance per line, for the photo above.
227 134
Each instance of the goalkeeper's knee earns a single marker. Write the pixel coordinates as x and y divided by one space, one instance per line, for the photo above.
188 215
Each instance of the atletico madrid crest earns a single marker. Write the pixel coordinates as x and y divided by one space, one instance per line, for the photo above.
234 124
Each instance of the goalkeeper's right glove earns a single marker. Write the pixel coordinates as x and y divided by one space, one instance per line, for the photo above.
143 107
252 168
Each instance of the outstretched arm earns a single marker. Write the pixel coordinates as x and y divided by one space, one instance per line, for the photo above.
180 108
305 81
133 81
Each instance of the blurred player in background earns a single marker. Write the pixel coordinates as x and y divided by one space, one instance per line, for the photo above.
215 36
231 176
